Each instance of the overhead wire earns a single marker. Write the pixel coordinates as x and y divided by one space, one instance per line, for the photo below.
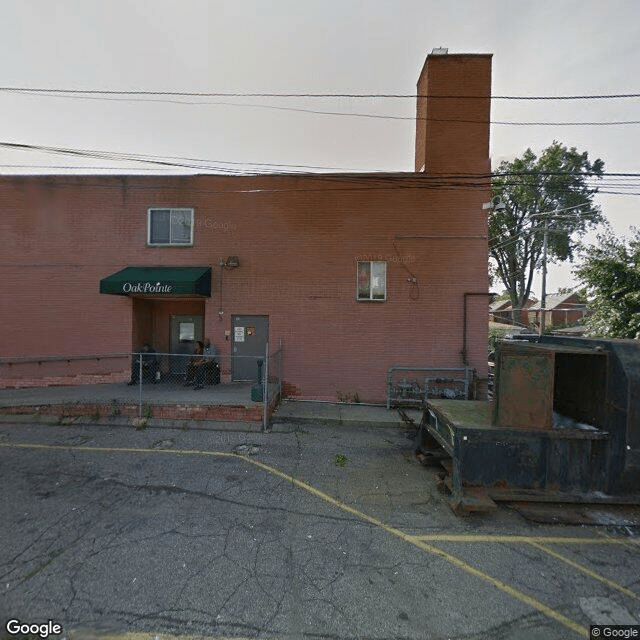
232 168
153 96
525 233
77 166
347 184
607 183
528 231
171 161
220 94
593 123
199 163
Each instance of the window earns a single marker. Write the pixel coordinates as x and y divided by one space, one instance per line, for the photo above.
170 227
372 280
187 331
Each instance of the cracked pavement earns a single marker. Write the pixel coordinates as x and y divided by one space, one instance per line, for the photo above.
107 530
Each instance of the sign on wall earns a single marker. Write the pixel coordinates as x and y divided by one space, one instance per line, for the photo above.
146 287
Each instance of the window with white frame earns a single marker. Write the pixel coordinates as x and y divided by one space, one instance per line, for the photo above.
372 280
170 227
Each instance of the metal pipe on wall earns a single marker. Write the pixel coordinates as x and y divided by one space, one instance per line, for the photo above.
465 360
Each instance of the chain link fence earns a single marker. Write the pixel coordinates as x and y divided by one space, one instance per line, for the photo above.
153 382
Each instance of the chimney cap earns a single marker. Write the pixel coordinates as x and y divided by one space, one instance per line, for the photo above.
440 51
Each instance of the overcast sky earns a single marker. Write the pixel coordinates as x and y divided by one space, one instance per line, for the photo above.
542 48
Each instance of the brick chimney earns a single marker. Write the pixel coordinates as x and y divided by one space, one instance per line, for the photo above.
453 113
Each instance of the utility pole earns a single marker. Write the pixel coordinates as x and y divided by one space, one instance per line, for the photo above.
544 280
534 229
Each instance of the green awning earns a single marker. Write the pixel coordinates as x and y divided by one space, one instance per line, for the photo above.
158 281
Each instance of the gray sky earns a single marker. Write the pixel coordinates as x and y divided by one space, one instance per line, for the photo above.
542 48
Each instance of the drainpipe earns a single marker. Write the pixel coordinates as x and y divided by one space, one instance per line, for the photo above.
220 309
465 360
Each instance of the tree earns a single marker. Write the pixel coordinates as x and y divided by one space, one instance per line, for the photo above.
581 293
610 270
554 190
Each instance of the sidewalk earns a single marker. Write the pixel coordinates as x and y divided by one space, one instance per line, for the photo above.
340 414
229 393
109 403
118 403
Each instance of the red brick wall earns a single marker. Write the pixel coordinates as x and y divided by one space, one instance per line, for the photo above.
230 413
298 239
57 372
452 128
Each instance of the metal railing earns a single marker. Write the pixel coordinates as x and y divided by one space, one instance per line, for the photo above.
427 382
38 371
149 378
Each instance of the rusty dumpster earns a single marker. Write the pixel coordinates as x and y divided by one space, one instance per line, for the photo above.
563 425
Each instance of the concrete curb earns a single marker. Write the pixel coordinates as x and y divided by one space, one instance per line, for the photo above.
340 414
286 416
340 421
151 423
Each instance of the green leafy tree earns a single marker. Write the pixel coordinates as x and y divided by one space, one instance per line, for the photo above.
555 189
581 293
610 270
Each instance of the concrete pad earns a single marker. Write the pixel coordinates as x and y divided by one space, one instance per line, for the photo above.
351 415
301 411
235 394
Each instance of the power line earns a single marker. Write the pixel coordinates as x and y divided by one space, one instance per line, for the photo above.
199 94
125 156
527 232
77 166
374 180
342 183
605 123
98 95
170 161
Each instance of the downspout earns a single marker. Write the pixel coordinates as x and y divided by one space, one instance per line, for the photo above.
220 308
465 360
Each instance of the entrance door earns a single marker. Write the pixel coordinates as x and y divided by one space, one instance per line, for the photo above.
250 336
185 332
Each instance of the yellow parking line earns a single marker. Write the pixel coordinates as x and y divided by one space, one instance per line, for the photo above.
454 537
60 447
461 564
424 546
586 571
540 542
84 634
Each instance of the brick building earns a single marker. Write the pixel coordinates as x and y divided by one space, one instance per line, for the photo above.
561 309
352 273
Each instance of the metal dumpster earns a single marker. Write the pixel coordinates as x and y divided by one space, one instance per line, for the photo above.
564 424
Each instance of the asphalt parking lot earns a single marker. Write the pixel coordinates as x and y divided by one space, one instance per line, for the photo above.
306 532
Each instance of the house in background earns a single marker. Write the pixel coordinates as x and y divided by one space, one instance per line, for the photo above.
351 273
566 309
502 311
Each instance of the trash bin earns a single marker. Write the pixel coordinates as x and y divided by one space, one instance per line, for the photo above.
257 393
